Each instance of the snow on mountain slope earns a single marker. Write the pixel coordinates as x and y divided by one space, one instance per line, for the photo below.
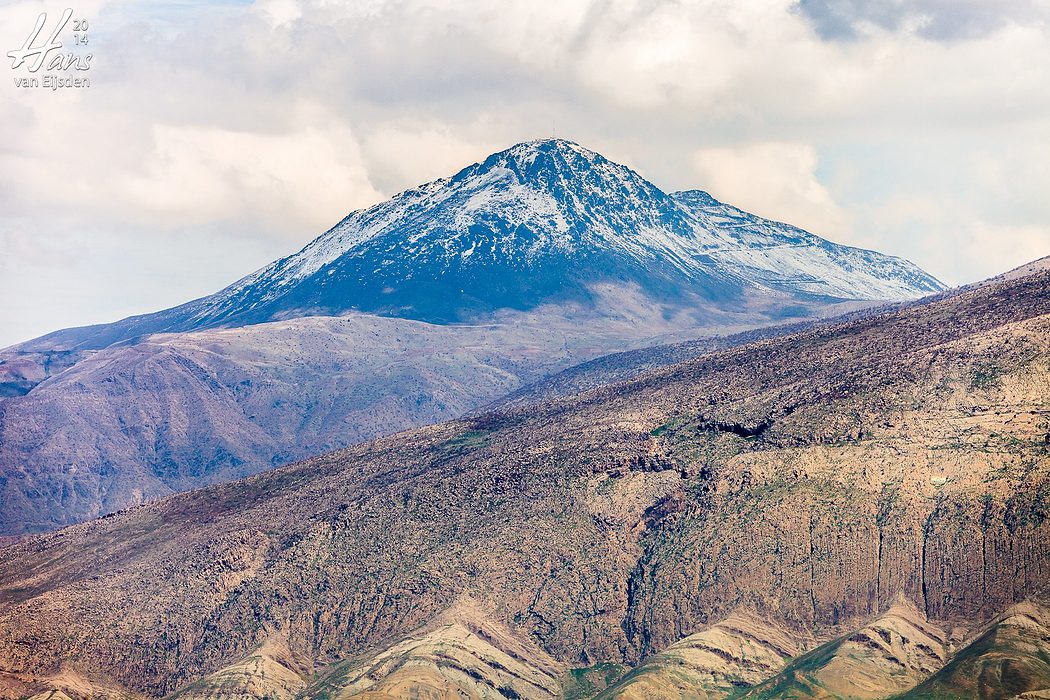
781 256
540 221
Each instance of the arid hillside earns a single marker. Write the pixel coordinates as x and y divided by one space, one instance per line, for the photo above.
173 412
862 496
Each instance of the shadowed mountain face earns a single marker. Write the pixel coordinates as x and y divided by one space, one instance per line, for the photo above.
544 255
172 412
544 222
723 514
178 411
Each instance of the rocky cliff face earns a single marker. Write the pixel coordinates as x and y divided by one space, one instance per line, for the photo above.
809 481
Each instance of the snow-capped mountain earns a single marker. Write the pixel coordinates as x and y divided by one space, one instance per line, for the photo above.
780 256
544 221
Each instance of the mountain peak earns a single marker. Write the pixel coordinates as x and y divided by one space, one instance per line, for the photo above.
549 221
545 221
697 198
553 165
553 148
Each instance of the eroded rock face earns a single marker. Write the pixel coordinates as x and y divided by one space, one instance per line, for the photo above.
883 658
736 653
810 480
1007 659
463 653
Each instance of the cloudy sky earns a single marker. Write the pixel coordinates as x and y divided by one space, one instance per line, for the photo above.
216 136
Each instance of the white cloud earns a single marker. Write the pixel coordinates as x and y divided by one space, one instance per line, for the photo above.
166 176
280 12
776 180
305 179
957 239
1005 247
418 151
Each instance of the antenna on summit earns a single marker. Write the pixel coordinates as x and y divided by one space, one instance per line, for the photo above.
554 129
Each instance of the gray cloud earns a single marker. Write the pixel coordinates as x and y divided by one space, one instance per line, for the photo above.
941 20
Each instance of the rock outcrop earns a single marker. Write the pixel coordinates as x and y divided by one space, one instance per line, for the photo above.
887 656
1010 658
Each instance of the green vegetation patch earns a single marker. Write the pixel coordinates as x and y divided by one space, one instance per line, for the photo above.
696 441
467 441
1000 664
607 486
670 425
797 680
588 681
987 376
